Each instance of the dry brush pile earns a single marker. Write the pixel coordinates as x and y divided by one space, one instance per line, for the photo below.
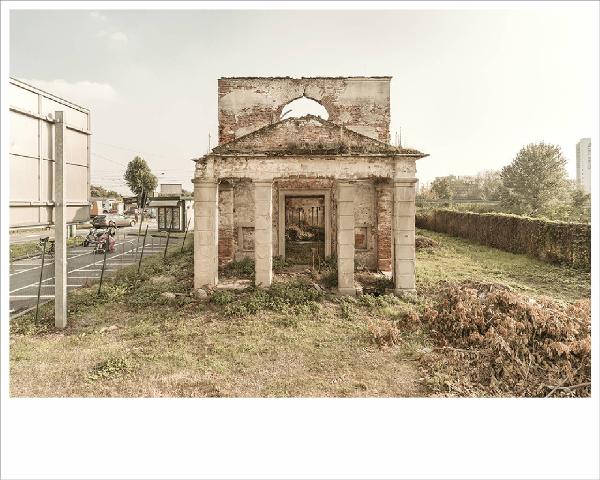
491 341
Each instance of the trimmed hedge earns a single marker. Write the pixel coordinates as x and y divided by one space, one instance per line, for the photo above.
556 242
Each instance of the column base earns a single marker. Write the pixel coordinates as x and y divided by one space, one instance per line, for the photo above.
347 291
406 292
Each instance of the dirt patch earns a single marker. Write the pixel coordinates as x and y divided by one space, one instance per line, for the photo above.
491 341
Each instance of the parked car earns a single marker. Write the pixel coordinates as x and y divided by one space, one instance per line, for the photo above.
101 221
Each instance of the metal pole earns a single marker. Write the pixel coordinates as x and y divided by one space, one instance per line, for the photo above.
185 234
168 236
103 263
139 232
60 223
143 245
37 307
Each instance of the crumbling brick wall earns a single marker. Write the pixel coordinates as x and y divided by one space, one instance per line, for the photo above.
361 104
384 202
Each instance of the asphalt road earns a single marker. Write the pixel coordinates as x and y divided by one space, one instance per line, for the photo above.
83 267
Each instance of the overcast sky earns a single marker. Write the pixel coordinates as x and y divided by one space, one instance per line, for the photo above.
469 87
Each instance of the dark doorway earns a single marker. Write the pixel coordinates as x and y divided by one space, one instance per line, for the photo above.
304 229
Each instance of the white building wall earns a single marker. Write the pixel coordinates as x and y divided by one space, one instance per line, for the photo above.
31 156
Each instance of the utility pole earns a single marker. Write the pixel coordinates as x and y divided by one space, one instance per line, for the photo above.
60 224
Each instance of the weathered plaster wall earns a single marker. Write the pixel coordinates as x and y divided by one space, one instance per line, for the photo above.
243 216
361 104
365 218
339 167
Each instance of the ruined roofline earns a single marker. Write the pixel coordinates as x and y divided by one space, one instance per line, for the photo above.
406 152
361 77
389 149
417 156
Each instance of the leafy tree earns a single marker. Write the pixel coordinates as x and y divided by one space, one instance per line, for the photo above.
98 191
580 204
440 188
139 177
488 185
535 183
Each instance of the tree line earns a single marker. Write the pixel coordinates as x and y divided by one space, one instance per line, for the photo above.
535 184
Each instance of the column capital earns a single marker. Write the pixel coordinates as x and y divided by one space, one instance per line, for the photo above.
405 182
200 181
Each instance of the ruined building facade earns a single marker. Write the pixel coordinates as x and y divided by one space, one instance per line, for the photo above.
302 187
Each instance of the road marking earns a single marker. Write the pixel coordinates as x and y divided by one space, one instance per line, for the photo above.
95 269
31 296
80 269
69 258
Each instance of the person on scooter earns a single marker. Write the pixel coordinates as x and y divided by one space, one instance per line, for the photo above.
112 228
112 232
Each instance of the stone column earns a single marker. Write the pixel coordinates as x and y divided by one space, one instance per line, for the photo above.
404 236
226 244
384 207
206 235
345 237
263 233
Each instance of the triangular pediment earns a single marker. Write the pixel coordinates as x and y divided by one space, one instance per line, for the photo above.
309 135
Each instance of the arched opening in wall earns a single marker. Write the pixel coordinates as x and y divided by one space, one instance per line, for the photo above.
304 106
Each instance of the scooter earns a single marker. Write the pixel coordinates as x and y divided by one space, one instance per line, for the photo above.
105 241
92 237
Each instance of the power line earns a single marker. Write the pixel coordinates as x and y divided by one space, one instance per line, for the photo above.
108 159
130 149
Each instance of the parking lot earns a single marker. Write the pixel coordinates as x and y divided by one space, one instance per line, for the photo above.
83 266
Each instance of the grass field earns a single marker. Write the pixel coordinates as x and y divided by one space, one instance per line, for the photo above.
148 336
30 249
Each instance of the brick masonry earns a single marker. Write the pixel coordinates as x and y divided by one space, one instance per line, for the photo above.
385 205
360 103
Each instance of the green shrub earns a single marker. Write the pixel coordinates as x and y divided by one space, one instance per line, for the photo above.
112 367
239 268
280 263
221 297
556 242
293 297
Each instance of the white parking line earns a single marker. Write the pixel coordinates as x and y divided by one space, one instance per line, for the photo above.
69 258
31 296
83 269
95 270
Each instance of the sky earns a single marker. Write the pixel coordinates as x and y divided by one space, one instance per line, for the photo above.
469 87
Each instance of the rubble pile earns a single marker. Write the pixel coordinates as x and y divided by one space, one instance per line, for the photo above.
491 341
